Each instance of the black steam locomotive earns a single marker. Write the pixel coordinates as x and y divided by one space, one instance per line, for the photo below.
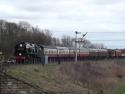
27 52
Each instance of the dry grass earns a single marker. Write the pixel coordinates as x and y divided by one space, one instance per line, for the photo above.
100 75
49 77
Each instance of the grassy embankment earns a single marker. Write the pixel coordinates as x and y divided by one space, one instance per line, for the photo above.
49 77
104 77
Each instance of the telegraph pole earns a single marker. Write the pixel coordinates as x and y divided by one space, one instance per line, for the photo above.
76 40
76 32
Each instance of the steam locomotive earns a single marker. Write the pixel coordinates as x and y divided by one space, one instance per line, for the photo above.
34 53
27 52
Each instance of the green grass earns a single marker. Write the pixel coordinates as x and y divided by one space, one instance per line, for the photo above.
48 77
121 90
73 76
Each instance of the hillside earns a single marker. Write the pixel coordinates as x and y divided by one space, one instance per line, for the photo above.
49 77
100 77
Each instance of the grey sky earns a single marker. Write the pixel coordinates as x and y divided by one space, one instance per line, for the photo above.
66 16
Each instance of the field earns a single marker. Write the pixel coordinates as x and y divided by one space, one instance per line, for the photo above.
99 77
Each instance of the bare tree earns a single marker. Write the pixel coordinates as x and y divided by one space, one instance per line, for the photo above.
67 41
56 41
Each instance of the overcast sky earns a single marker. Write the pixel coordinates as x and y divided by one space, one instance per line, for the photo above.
66 16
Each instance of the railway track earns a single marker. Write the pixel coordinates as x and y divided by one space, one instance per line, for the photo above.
10 85
13 85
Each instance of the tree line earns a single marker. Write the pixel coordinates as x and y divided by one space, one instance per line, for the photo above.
12 33
69 41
